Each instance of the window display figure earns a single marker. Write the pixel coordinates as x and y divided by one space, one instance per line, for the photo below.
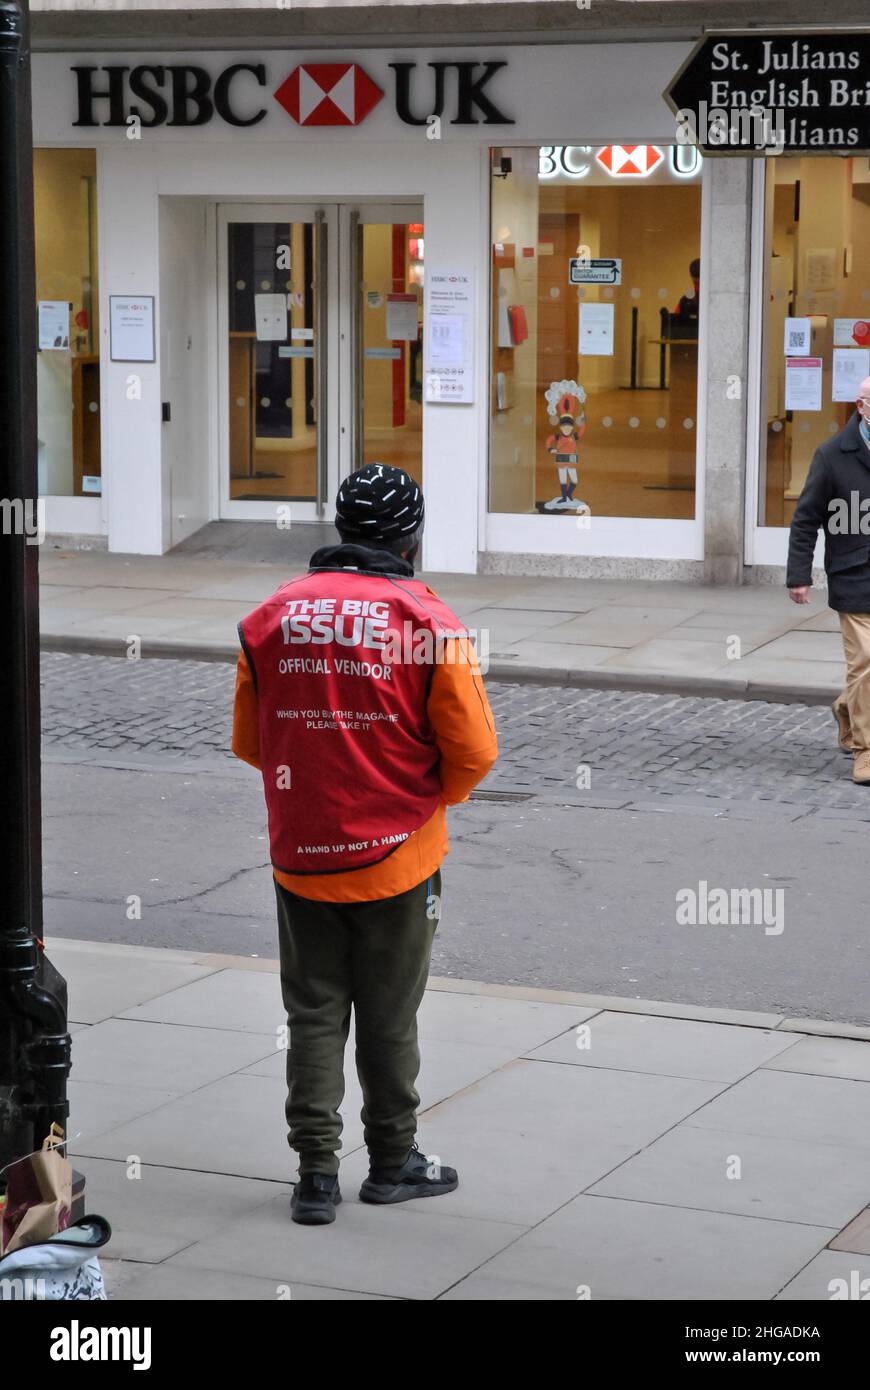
564 443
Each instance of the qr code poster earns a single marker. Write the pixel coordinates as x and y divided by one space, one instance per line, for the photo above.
798 338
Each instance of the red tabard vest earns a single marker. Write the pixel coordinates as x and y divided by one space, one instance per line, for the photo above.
342 661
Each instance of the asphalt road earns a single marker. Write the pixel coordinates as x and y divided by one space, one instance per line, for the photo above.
572 870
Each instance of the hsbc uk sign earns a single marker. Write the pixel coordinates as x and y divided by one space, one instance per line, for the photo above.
311 94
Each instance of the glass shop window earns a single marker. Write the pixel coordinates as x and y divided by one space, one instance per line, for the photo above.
67 309
595 321
816 316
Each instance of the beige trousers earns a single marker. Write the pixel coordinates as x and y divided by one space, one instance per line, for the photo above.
855 698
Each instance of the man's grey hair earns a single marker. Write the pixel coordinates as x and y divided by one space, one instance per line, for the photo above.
400 544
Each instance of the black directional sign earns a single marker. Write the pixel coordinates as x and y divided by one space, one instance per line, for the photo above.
600 271
764 93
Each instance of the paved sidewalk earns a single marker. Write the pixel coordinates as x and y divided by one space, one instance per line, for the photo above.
632 1149
619 634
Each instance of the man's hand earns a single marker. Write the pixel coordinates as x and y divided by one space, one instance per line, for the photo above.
801 594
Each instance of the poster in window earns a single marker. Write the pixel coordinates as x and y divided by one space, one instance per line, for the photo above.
851 366
596 330
803 383
53 325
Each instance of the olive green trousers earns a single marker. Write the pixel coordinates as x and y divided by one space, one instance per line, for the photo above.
372 957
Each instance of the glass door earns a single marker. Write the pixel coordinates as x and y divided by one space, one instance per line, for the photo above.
279 394
383 419
320 351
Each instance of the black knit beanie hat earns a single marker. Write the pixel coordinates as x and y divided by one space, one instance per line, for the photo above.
378 503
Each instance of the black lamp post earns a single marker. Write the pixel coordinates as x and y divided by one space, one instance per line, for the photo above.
34 1042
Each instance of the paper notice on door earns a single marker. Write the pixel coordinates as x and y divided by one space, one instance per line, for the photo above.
53 324
596 330
821 269
402 318
449 336
270 312
851 332
803 383
851 366
797 337
447 341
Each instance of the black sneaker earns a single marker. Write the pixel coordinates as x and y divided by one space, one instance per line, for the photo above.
315 1197
418 1176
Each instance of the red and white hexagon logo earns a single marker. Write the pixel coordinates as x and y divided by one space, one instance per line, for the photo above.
629 161
328 94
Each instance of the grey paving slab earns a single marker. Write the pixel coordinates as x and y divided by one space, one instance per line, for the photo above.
791 671
668 1046
673 655
98 597
558 655
187 607
178 1057
807 645
120 626
60 618
162 1210
96 1108
395 1251
569 597
485 1019
530 618
240 1000
129 1282
84 568
740 621
216 632
503 632
826 1057
805 1109
247 586
749 640
826 1028
235 1125
101 984
828 621
833 1276
532 1135
634 614
50 592
855 1235
597 631
819 1184
786 674
675 1253
514 1171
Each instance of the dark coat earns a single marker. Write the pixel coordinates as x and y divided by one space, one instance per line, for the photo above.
837 483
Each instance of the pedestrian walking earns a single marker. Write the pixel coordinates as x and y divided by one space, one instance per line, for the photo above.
836 499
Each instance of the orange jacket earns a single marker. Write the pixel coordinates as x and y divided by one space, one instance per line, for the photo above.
465 734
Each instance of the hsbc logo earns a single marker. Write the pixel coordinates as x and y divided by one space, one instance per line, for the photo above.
312 94
328 94
629 161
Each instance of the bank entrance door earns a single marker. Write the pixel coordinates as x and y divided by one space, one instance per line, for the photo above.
320 351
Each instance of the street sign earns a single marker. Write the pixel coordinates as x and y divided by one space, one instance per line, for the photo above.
601 271
752 93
